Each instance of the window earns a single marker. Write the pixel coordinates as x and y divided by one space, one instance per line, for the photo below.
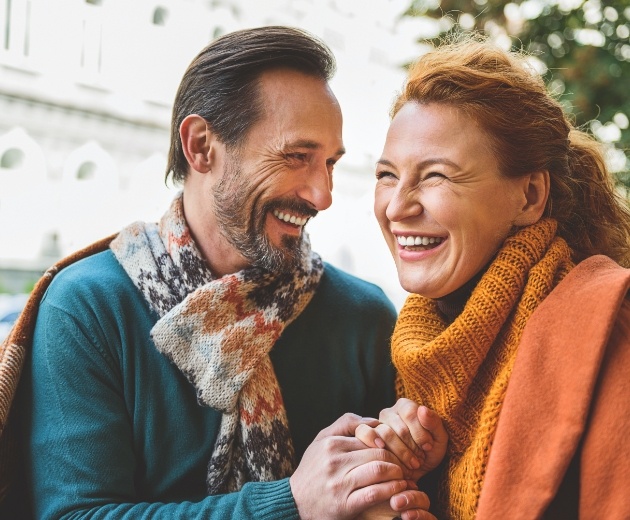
12 159
87 171
160 16
16 29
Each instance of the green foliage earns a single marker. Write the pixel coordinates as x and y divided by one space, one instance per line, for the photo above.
585 47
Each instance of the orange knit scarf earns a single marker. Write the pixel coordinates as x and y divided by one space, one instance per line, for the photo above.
462 370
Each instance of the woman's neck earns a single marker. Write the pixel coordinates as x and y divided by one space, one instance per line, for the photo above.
452 304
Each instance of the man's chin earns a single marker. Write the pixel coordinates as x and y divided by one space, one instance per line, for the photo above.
283 258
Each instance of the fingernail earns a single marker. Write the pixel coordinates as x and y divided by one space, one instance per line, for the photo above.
414 462
427 446
379 442
400 502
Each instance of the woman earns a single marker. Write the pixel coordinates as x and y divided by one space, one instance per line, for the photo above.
505 225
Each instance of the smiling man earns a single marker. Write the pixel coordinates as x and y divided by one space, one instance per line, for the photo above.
191 368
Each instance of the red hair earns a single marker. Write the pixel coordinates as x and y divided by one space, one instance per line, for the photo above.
529 132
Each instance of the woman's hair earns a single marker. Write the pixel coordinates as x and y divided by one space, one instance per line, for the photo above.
529 132
221 83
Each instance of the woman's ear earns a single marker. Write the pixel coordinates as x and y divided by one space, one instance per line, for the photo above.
536 188
197 142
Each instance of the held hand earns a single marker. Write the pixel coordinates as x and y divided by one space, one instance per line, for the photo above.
408 505
413 433
339 477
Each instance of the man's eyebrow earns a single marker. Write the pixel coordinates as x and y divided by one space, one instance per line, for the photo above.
312 145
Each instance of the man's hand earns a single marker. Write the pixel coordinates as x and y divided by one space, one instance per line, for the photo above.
339 477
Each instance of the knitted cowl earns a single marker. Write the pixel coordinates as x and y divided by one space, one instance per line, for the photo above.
462 370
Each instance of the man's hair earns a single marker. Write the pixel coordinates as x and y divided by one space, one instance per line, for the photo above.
221 83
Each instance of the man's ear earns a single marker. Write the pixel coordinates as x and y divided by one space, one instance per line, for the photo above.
536 188
197 142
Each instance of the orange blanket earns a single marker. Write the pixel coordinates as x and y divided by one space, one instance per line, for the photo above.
569 394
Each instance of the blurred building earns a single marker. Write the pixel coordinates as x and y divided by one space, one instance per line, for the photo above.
86 88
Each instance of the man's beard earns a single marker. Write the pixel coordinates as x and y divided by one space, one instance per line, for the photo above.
242 222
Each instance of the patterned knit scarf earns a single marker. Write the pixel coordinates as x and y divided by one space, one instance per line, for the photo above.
219 332
462 370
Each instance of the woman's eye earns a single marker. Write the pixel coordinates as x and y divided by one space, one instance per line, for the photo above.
384 175
435 175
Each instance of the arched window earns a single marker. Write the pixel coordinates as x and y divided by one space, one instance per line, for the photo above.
12 159
160 16
87 171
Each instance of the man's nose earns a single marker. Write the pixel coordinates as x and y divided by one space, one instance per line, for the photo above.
317 188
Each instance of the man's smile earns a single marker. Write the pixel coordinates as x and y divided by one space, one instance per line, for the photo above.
291 218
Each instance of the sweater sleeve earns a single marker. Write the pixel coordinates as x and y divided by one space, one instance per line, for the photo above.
81 459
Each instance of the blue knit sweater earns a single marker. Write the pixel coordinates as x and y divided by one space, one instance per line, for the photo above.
114 430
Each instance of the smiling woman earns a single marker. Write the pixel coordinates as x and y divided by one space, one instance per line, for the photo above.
435 179
503 221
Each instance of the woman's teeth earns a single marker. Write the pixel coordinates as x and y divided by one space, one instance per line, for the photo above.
292 219
418 241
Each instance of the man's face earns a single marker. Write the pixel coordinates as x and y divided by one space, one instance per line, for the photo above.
281 175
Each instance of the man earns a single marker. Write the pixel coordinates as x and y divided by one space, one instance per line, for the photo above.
186 370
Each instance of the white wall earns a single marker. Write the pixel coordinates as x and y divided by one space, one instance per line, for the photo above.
87 83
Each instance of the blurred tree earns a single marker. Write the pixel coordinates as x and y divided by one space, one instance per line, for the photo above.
584 47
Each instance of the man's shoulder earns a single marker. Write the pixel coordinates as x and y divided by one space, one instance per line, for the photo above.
344 289
98 275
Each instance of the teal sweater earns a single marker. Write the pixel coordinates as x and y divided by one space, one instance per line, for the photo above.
114 430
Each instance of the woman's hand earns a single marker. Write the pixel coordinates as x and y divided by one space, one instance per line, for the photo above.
413 433
407 505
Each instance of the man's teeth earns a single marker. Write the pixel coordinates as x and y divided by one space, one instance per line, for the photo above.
418 241
293 219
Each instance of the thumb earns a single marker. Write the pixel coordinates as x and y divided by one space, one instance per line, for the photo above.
433 424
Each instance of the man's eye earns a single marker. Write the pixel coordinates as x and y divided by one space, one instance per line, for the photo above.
296 156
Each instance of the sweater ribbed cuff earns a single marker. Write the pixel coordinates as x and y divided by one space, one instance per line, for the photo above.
273 500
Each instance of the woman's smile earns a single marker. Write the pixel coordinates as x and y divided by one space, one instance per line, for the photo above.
435 178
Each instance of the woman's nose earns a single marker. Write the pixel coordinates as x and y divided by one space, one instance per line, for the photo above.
405 203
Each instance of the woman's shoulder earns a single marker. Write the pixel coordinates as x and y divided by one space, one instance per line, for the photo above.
601 269
597 281
584 306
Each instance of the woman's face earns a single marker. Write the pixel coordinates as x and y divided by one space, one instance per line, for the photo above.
443 207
